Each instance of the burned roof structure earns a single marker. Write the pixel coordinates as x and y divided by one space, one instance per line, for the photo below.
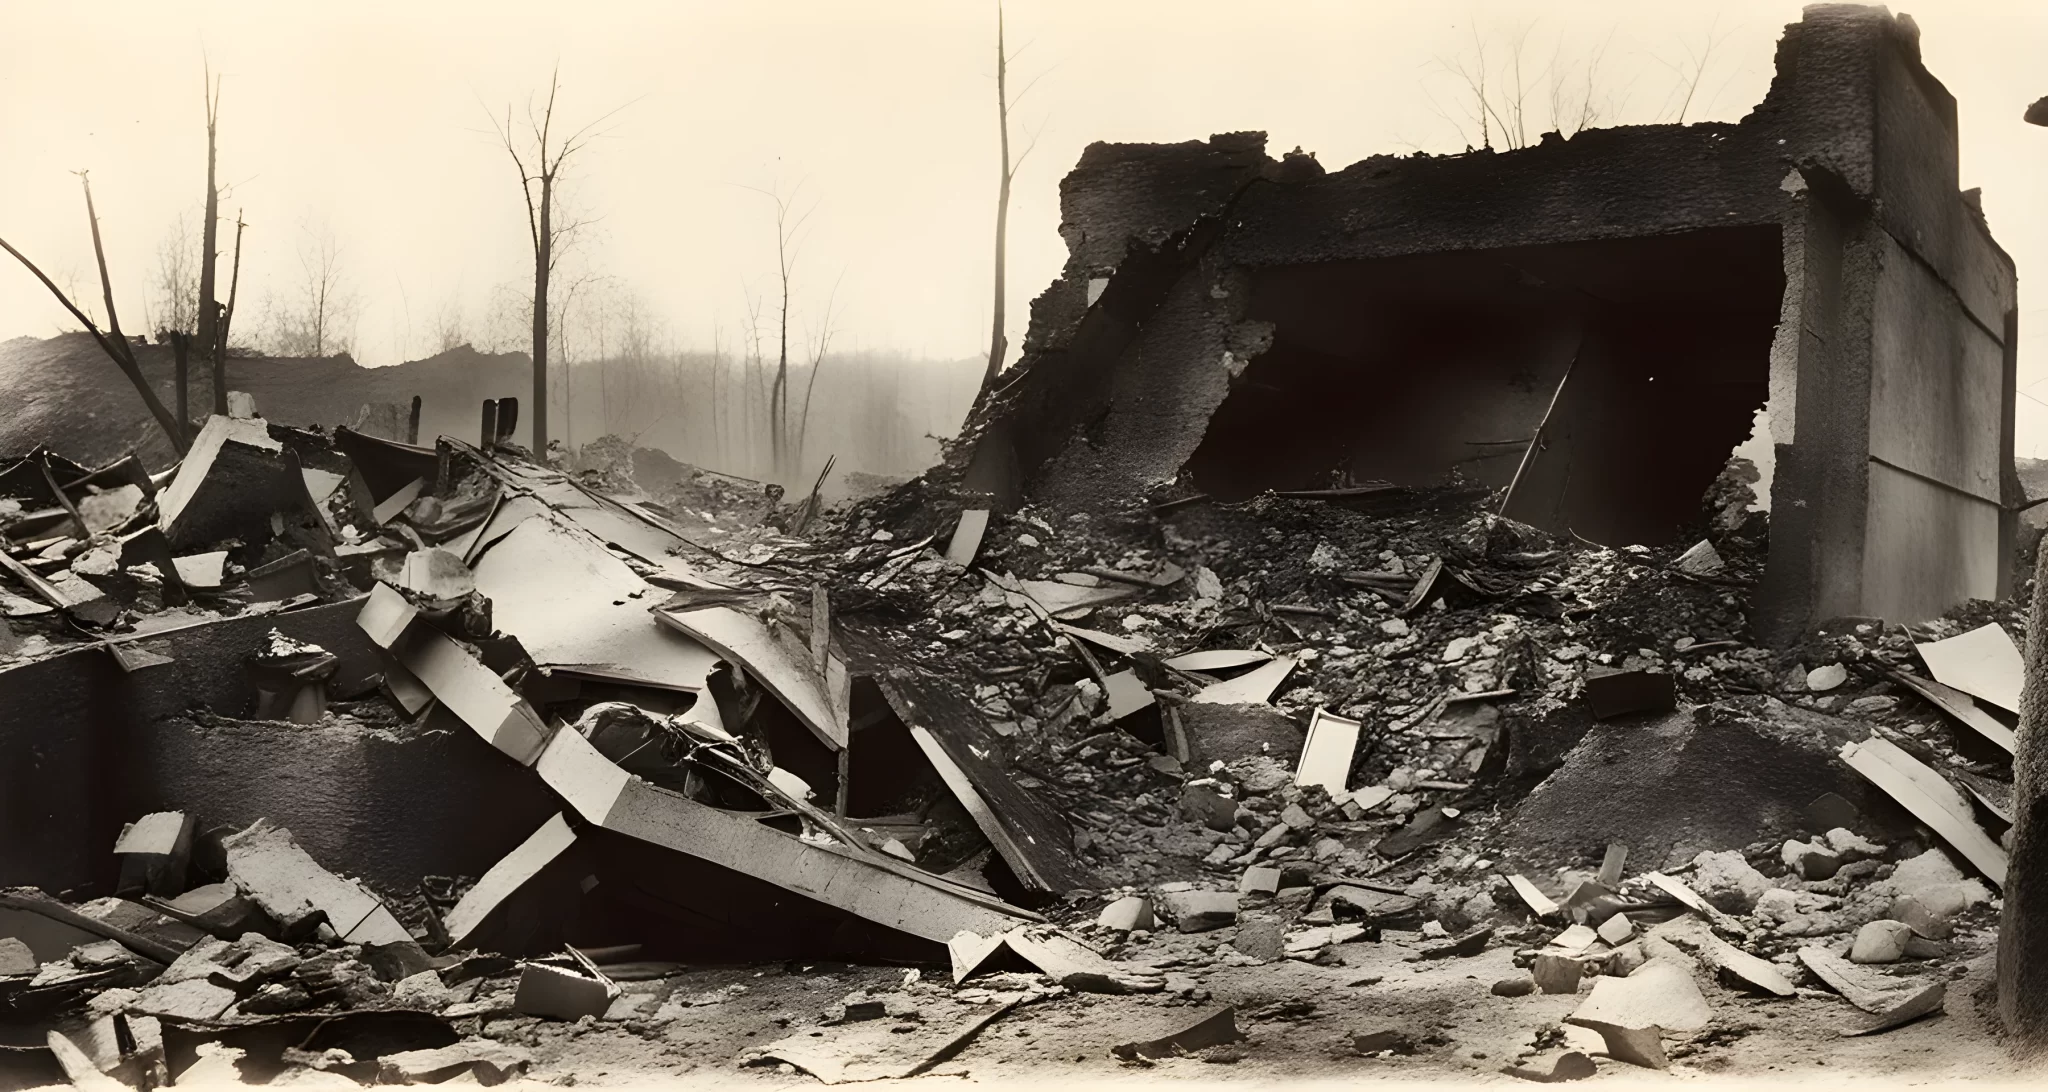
1591 324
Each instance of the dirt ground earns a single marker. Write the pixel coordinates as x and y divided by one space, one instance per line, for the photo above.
1299 1020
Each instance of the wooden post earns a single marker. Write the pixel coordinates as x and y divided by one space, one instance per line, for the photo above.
412 423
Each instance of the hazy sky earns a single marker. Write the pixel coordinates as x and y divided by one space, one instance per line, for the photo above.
370 118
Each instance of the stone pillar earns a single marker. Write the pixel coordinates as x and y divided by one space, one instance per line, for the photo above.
2023 929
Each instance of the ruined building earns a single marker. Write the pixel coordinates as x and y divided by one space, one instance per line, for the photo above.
1807 284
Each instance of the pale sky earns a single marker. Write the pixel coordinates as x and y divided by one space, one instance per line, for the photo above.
370 117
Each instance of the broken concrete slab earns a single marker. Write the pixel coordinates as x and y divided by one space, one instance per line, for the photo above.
1958 705
1077 967
1385 908
1643 1046
436 574
292 575
502 882
562 992
154 852
967 536
1327 752
1259 880
78 1066
1617 930
218 908
779 663
471 691
1692 937
202 572
1572 1065
863 882
1216 1029
266 863
1930 798
1872 991
1221 659
129 1048
1557 973
1117 643
1461 947
1199 911
1659 994
1128 914
1068 601
1033 838
232 478
389 508
1700 560
1983 663
1228 733
1539 904
1253 687
1911 1005
488 1061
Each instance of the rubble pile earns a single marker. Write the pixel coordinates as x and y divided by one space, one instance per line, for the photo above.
1062 756
1447 634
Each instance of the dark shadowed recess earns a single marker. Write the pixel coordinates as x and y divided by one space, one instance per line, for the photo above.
1655 350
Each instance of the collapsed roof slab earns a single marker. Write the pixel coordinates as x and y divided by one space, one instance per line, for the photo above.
1889 379
854 878
869 885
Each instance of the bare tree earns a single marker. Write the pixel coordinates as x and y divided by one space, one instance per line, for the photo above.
540 173
448 326
999 342
210 340
1575 109
174 293
821 343
319 319
227 321
563 342
787 239
1691 70
113 342
1495 91
1473 74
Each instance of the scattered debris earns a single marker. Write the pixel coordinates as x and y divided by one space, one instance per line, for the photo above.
1216 1029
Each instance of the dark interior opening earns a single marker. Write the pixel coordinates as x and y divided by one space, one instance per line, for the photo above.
1410 369
887 773
797 749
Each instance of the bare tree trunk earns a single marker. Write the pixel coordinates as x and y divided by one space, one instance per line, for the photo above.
544 231
181 353
114 343
220 342
998 344
543 260
209 245
779 409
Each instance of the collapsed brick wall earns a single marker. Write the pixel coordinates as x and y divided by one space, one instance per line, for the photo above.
1893 349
